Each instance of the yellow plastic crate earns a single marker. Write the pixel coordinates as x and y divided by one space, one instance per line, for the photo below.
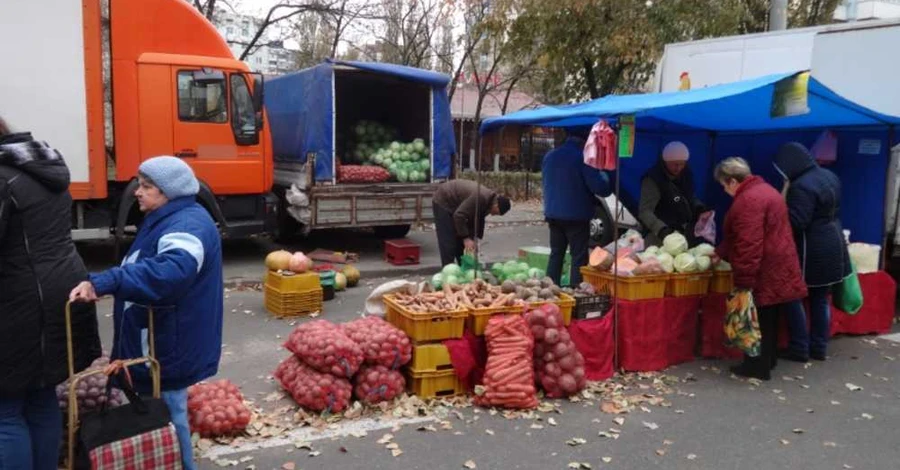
688 284
647 287
292 304
722 282
303 282
478 319
432 357
424 327
439 384
566 304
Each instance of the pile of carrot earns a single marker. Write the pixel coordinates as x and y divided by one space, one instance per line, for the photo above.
477 294
509 373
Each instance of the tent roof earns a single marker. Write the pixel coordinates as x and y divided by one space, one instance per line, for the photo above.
410 73
735 107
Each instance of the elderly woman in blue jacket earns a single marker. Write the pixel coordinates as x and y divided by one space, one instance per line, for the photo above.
175 267
814 202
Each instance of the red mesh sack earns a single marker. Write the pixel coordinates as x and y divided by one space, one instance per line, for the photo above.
312 389
377 383
217 409
381 343
323 346
509 372
558 365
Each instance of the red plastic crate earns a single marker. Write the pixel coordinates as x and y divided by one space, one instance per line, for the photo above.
401 252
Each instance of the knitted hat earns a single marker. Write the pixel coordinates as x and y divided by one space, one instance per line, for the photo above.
676 152
171 175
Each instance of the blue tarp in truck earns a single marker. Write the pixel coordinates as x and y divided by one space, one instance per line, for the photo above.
307 110
315 115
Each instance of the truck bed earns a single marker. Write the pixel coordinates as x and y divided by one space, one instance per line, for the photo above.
370 205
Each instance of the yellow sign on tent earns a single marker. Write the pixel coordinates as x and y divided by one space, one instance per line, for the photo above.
791 96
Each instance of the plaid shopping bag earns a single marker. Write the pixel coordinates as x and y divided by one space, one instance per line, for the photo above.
742 323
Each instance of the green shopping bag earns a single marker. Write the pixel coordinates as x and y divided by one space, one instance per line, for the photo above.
467 262
847 296
742 323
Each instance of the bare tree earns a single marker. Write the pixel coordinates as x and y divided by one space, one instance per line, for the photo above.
473 15
408 30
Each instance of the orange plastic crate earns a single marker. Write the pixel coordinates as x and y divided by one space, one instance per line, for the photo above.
566 304
439 384
478 319
424 327
722 282
688 284
292 282
651 286
430 357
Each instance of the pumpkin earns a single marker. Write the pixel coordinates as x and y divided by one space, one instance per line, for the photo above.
340 281
352 275
299 263
278 260
601 259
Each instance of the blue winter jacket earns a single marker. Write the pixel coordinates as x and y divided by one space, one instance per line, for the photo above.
175 266
570 185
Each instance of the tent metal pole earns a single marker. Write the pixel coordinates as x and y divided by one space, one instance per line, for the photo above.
890 173
615 290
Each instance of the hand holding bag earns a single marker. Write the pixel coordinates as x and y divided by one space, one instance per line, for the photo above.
136 436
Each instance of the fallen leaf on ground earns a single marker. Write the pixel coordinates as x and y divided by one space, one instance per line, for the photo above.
226 463
835 402
289 466
489 432
246 459
847 466
536 426
551 421
469 464
396 452
867 416
606 459
620 421
611 408
660 452
679 412
576 441
385 439
853 387
651 426
691 456
574 465
667 442
829 444
785 442
392 446
798 431
315 453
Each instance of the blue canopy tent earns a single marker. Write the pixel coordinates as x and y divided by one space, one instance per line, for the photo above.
735 120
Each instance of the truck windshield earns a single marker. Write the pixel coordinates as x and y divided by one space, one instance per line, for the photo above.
243 117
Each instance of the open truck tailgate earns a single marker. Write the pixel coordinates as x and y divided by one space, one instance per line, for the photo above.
371 205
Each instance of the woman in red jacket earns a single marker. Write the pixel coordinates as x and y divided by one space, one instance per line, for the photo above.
759 244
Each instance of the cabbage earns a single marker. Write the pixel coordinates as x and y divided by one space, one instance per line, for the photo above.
652 250
469 275
451 280
644 257
703 263
703 249
723 266
685 263
535 273
437 280
452 269
497 269
667 261
523 267
675 244
520 277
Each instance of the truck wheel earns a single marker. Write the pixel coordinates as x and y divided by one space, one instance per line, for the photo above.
392 231
601 226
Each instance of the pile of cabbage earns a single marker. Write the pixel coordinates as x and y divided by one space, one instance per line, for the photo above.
676 257
376 145
453 274
517 271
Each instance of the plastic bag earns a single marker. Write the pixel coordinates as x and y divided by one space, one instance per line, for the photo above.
375 301
381 343
509 372
742 323
706 226
323 346
312 389
825 148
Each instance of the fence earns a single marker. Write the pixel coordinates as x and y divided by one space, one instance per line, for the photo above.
516 185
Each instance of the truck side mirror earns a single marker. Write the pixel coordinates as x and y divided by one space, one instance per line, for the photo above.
259 90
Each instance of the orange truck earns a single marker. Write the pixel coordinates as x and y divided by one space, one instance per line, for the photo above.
111 83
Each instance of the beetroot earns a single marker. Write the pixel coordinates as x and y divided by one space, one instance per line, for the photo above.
312 389
217 409
362 174
323 346
377 383
381 343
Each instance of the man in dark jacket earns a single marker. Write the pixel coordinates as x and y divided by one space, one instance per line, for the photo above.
569 189
814 201
668 203
459 213
38 267
175 267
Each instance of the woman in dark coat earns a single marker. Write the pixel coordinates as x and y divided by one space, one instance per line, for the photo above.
814 203
38 268
758 243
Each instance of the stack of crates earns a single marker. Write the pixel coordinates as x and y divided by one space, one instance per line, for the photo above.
292 295
430 373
